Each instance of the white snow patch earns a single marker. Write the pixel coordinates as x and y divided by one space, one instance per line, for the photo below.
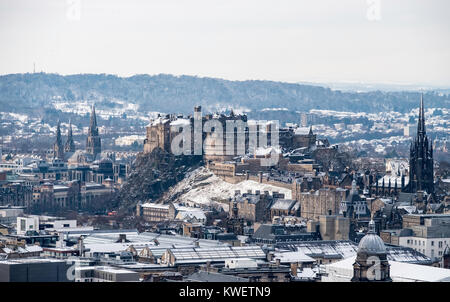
202 187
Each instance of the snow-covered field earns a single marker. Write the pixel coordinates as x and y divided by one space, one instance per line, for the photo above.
202 187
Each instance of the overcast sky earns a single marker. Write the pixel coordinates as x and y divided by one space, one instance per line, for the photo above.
284 40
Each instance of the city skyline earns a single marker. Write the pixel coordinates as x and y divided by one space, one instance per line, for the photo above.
192 147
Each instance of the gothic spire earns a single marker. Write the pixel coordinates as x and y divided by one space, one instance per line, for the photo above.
70 128
58 151
70 145
93 141
93 123
421 122
58 133
421 157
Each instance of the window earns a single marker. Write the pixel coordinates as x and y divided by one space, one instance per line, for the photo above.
440 244
432 243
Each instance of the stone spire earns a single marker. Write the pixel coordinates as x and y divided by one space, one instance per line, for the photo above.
93 141
421 123
70 145
93 130
58 151
421 176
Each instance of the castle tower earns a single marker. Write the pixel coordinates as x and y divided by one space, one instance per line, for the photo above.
93 141
371 264
58 151
421 159
70 145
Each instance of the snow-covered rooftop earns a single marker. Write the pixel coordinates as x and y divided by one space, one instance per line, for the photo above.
399 271
291 257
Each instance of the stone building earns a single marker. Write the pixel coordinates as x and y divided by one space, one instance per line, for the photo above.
334 227
214 138
355 205
153 212
371 264
254 207
235 224
158 135
316 203
73 195
426 233
15 193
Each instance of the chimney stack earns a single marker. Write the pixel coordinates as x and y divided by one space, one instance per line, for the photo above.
294 268
122 238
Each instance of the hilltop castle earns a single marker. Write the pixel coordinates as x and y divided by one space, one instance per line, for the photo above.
162 131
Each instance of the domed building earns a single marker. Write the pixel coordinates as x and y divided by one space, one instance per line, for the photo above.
371 264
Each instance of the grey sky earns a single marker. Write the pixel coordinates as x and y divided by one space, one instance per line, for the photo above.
285 40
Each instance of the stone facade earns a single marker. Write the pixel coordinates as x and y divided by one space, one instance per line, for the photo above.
334 227
162 131
324 201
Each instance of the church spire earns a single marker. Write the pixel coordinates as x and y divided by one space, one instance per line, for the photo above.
421 158
93 141
58 133
70 145
421 122
58 151
93 123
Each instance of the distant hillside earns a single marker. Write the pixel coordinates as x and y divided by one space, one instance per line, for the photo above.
167 93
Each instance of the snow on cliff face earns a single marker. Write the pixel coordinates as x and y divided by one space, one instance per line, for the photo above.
202 187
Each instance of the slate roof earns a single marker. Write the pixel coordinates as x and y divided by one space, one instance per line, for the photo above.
342 249
283 204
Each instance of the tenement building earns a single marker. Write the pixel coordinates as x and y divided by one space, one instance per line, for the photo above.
324 201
